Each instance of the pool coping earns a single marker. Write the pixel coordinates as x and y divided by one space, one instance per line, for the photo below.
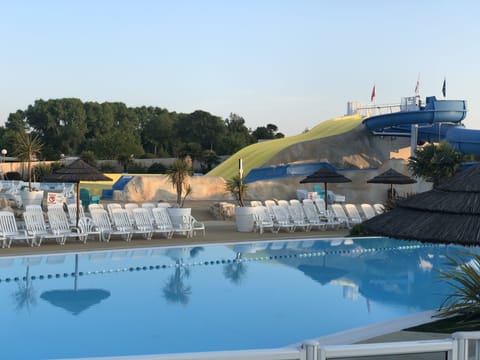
377 330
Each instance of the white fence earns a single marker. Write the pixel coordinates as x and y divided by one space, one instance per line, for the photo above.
461 346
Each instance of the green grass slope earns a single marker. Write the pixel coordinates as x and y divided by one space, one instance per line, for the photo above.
256 155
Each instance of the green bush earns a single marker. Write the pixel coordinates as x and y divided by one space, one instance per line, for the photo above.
136 168
157 168
358 230
39 171
108 168
12 175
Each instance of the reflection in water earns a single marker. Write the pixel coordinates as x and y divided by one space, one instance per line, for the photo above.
74 300
175 290
25 296
235 271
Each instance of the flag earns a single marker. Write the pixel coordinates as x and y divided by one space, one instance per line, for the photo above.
372 97
444 88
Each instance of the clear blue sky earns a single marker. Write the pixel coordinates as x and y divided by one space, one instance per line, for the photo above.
292 63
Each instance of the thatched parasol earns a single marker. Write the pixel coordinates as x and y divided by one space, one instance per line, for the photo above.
447 214
325 176
391 177
75 172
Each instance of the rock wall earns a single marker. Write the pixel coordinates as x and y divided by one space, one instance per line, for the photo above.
356 149
159 188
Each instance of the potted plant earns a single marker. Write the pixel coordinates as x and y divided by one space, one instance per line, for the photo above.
178 174
243 214
27 148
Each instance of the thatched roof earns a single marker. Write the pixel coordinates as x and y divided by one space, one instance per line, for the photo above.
325 175
447 214
392 176
75 172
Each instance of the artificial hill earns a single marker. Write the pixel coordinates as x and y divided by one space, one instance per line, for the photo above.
260 154
343 142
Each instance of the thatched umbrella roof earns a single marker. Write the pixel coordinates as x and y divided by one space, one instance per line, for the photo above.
75 172
391 177
447 214
325 176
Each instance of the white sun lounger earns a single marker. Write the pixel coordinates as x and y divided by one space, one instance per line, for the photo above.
353 214
282 218
368 211
36 226
262 220
101 220
59 224
9 231
340 215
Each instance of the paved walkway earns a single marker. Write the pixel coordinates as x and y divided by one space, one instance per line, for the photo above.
217 231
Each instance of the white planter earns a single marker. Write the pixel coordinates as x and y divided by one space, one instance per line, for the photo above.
244 218
176 214
31 197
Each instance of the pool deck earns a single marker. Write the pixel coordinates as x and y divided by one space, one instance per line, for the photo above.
224 231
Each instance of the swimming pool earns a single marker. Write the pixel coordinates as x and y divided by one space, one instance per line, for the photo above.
229 297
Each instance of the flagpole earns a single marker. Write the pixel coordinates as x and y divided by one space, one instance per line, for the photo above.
374 94
417 86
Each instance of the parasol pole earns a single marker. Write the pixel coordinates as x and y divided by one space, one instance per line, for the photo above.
326 197
240 168
78 201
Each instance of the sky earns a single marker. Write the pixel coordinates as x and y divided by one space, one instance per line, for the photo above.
290 63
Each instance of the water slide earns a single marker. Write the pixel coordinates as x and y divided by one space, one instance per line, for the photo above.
436 120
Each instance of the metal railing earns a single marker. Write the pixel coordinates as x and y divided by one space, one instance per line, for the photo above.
460 346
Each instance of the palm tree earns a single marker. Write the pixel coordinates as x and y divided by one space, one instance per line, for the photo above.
435 162
28 146
464 278
237 187
178 174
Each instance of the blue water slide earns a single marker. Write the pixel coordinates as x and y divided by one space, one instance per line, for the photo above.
437 120
464 140
434 111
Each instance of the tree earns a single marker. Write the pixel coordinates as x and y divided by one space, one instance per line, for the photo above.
236 137
209 160
464 279
125 160
89 158
200 127
268 132
157 129
178 173
60 124
238 188
28 147
435 163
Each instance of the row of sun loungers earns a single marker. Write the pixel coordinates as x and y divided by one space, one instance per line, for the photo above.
102 223
276 215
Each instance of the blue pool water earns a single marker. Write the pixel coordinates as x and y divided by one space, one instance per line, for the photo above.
222 297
